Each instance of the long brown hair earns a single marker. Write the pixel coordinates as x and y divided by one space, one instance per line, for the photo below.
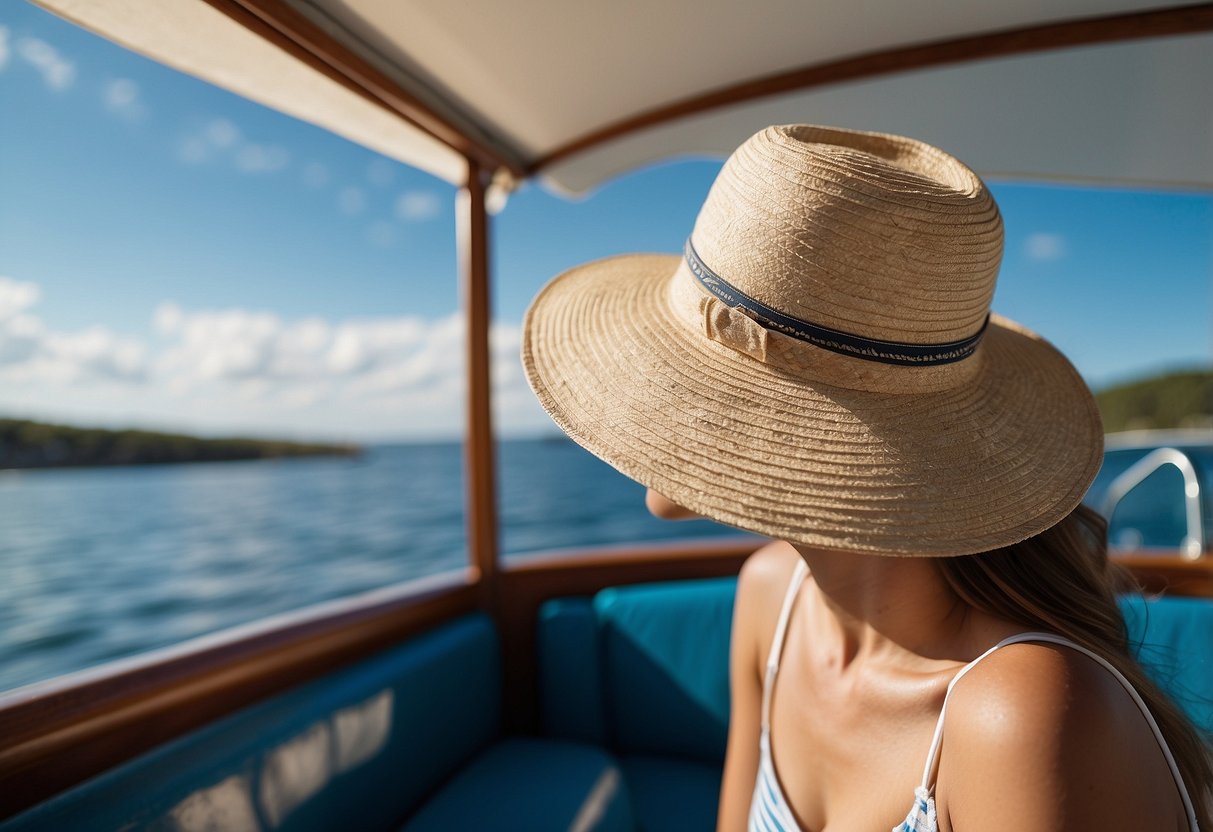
1062 581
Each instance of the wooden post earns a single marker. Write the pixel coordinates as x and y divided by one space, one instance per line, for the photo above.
480 474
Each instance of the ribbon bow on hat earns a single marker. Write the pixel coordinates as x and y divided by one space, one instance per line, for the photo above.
734 328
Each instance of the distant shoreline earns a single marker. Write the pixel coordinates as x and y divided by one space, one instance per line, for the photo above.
26 444
1167 401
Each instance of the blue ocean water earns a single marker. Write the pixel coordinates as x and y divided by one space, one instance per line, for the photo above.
102 563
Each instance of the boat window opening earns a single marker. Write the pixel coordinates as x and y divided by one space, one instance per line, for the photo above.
220 270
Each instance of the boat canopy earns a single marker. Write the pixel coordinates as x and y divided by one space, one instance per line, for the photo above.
1112 91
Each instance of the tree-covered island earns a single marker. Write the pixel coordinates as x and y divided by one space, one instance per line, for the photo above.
1180 399
29 444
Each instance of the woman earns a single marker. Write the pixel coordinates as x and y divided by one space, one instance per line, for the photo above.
821 366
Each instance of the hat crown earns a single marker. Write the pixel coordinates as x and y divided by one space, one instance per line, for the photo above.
871 234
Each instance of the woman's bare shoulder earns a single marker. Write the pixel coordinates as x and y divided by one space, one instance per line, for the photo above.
765 575
769 566
761 587
1046 735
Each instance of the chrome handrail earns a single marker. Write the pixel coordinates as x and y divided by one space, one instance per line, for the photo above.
1193 544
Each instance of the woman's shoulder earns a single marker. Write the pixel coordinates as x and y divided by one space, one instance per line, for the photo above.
769 567
1034 725
1035 687
765 577
761 587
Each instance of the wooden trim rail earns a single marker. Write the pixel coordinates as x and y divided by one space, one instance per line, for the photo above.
480 469
1164 572
1177 20
59 733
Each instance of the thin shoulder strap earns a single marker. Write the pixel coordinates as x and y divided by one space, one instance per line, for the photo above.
789 599
932 765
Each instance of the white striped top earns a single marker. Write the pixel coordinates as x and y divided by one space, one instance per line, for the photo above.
769 809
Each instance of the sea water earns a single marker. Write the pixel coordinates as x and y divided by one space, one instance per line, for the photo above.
102 563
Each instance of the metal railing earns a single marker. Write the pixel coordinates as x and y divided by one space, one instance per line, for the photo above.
1193 543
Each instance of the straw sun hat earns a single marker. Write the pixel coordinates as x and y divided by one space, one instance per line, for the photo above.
821 365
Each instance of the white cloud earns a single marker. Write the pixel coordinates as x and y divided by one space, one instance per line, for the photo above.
20 333
1043 247
245 370
399 374
121 97
315 175
167 318
380 173
418 206
238 345
257 158
381 234
222 133
220 139
29 351
351 201
4 47
16 297
57 71
93 353
21 339
215 137
194 150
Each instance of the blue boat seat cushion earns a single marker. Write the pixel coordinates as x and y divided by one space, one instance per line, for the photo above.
665 660
671 794
370 742
535 785
641 669
570 671
1173 639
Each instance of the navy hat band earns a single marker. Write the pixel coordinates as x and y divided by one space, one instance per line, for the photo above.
869 349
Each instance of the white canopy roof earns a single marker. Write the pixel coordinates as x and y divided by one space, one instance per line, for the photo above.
529 77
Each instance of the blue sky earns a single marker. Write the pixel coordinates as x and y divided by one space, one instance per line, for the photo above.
174 256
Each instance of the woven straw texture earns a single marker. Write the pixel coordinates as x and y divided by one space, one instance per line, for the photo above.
877 236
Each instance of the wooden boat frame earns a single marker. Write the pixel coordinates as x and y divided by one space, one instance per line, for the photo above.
56 734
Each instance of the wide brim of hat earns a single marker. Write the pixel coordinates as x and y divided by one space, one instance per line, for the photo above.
998 459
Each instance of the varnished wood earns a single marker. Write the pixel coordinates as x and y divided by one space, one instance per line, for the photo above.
1133 26
480 468
56 734
1164 572
285 27
527 583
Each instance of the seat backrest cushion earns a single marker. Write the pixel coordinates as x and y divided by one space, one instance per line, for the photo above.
571 705
1173 639
665 659
358 749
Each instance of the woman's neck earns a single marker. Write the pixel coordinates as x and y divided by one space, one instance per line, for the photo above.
888 609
